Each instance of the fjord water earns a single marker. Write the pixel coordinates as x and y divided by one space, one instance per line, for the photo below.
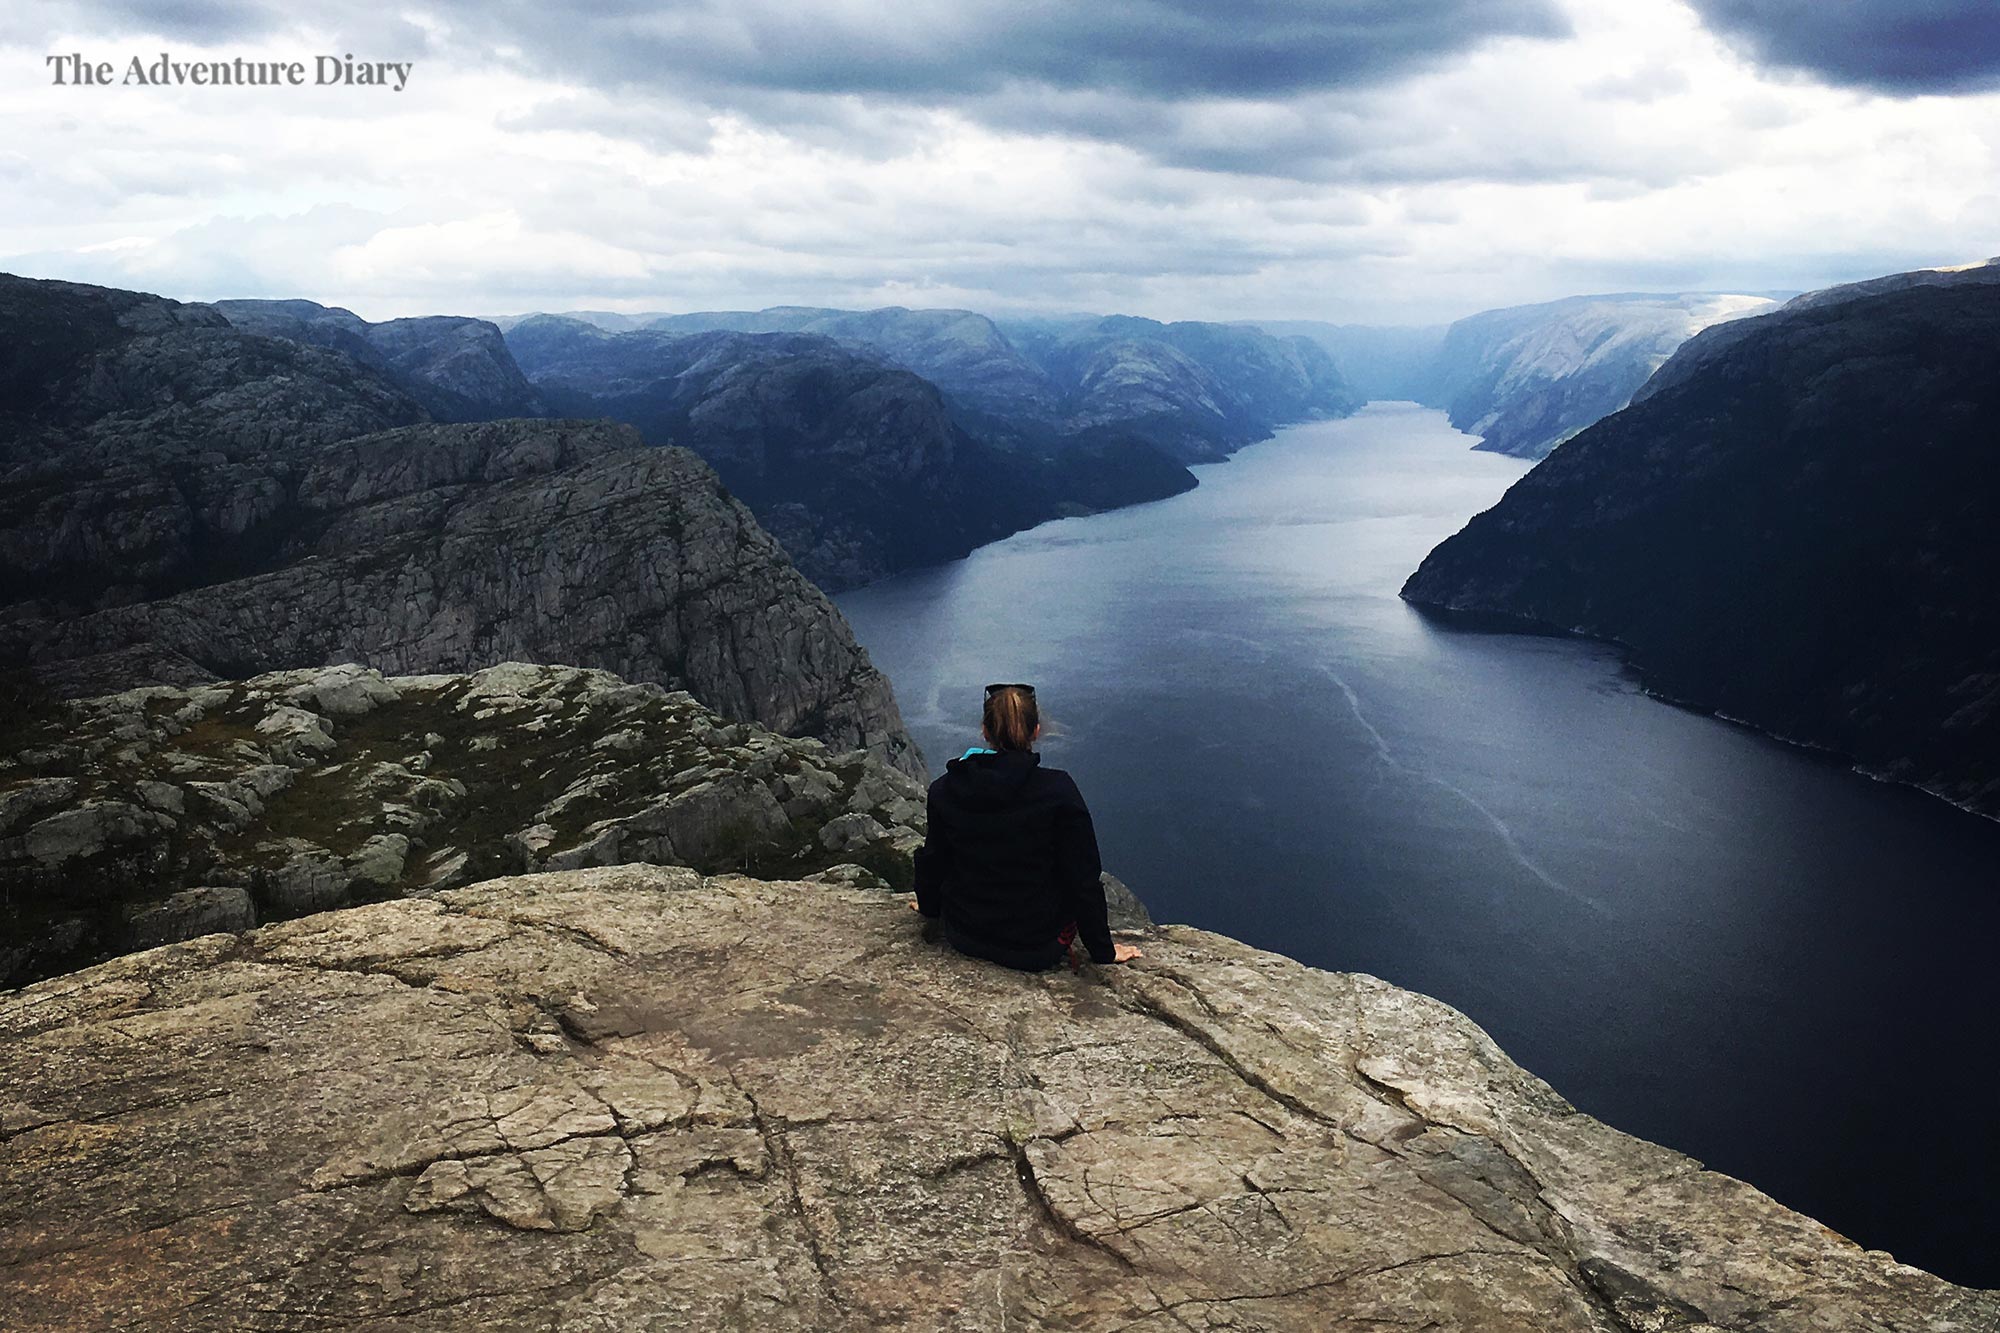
1703 936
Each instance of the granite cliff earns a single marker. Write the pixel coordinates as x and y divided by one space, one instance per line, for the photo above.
1794 526
186 500
637 1098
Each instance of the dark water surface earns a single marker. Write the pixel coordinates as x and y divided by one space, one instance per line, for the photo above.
1705 937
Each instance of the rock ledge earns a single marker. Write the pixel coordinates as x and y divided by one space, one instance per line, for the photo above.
636 1098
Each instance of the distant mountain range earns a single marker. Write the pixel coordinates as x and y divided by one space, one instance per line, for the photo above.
1378 361
1796 523
1526 378
1196 391
855 465
874 441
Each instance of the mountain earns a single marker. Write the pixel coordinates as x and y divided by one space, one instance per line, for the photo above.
1377 361
859 467
1198 391
609 320
1719 340
634 1097
136 439
880 440
458 368
856 466
184 499
1526 378
1043 385
964 354
167 812
1796 525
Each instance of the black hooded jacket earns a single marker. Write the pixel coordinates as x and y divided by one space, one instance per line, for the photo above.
1010 859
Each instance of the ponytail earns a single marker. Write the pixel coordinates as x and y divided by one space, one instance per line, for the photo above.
1010 718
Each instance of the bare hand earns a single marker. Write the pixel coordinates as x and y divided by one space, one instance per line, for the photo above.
914 907
1125 953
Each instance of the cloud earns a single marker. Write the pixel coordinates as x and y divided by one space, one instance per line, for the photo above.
926 50
1636 152
1244 86
1893 46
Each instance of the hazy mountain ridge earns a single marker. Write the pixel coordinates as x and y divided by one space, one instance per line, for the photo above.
962 353
1716 341
186 498
1392 362
1790 526
1198 390
457 367
1039 384
1526 378
855 465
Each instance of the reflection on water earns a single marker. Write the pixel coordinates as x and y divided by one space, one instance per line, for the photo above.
1701 935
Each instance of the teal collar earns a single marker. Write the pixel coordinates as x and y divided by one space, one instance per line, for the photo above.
977 749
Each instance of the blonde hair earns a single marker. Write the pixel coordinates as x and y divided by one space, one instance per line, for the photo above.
1010 718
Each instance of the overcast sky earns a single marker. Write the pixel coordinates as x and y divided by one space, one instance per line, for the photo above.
1377 161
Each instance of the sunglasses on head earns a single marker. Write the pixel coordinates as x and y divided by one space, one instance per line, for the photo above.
990 689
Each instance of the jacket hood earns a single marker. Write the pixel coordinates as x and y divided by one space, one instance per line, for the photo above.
991 779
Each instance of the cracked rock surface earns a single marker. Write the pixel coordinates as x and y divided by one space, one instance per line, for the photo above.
636 1098
164 813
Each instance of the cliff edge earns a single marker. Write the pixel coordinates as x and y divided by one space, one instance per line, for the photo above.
634 1097
1789 527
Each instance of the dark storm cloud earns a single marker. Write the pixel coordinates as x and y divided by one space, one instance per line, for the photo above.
1895 46
933 51
189 20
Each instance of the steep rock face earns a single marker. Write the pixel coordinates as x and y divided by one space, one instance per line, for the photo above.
185 499
139 437
1526 378
164 813
634 1098
448 547
1799 531
856 466
458 368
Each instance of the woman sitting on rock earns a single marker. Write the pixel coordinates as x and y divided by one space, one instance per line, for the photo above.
1010 858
